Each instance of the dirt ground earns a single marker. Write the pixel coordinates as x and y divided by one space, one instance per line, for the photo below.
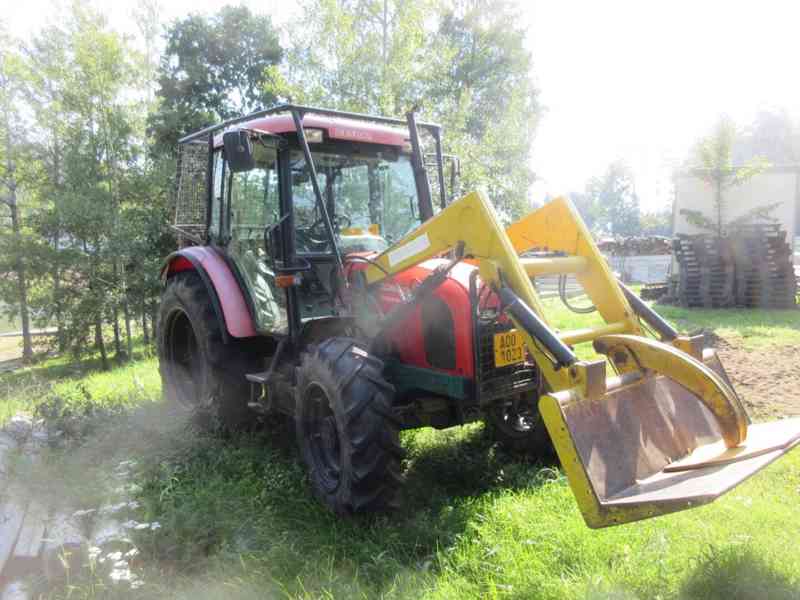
767 379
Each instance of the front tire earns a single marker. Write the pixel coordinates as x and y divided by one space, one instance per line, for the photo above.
519 429
347 430
200 373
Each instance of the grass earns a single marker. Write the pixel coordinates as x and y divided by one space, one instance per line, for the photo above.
750 329
238 520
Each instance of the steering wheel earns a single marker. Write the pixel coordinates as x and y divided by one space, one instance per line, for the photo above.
318 234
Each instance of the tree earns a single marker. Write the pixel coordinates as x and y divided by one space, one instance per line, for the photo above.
714 164
657 222
610 204
85 78
11 154
212 69
483 92
464 63
773 136
588 208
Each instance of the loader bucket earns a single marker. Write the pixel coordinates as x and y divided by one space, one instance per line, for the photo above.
652 445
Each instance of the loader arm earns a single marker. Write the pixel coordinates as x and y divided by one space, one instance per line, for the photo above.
666 432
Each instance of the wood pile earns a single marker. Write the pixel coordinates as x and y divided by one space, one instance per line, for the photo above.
640 245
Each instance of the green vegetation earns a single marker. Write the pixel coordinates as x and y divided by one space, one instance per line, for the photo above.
7 324
749 328
86 184
237 518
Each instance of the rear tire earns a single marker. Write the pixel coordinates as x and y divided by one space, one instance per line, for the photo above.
347 430
519 430
199 372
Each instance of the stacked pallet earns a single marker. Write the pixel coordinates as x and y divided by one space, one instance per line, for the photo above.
707 273
764 271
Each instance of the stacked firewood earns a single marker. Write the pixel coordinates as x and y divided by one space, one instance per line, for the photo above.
647 245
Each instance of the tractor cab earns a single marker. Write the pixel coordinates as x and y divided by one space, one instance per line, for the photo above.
286 207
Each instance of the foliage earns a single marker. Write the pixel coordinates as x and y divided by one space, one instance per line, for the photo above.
773 136
657 222
715 161
464 63
609 205
213 68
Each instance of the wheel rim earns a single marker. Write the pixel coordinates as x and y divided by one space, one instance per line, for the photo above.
185 359
323 437
514 421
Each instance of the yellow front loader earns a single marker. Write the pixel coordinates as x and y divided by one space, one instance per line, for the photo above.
653 427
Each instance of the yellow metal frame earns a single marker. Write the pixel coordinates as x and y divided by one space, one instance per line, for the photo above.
556 227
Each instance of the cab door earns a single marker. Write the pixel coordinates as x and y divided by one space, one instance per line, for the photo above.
253 203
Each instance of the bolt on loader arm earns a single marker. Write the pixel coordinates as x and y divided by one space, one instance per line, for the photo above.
667 431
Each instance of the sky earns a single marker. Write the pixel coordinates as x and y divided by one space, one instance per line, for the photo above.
632 80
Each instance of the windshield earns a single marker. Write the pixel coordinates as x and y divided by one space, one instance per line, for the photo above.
370 196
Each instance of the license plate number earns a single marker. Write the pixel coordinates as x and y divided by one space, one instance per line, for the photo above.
509 348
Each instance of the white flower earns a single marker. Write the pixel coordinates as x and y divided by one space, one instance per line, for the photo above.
155 525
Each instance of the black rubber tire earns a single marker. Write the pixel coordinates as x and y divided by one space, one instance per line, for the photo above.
341 394
526 436
199 372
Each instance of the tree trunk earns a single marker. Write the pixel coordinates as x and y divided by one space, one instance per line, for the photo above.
22 284
115 316
16 228
62 341
115 323
145 332
718 202
57 300
127 315
154 321
99 343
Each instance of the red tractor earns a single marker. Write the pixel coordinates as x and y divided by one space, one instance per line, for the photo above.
327 283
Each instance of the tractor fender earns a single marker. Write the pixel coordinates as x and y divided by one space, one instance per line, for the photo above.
223 288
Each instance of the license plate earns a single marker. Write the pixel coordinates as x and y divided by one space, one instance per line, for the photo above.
509 348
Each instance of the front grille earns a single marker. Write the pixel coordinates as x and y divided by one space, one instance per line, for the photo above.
500 382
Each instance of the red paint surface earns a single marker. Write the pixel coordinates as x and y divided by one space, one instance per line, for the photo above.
335 127
237 317
407 338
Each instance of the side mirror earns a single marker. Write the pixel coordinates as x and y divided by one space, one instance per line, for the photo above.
238 151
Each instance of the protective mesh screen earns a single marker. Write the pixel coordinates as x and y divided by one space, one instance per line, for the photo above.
189 199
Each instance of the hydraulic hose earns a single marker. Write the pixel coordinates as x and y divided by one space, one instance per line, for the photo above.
562 293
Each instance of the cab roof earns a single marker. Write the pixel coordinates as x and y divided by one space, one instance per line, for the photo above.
339 125
336 128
